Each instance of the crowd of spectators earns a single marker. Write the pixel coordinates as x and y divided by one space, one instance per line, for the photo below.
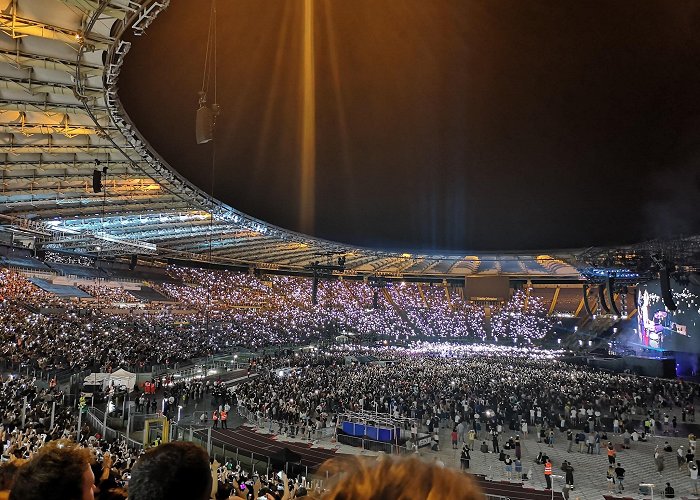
34 419
431 311
433 384
479 388
215 310
69 259
401 311
107 295
26 416
16 288
63 470
44 461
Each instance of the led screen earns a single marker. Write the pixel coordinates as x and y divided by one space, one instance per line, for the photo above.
660 328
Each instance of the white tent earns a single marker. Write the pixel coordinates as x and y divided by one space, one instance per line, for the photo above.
123 377
96 378
116 379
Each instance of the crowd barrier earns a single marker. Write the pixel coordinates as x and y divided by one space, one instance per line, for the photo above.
255 462
95 419
327 433
373 445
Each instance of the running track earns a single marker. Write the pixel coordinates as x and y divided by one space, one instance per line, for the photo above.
262 445
247 440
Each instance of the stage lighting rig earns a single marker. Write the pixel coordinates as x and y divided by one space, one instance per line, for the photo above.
328 267
323 271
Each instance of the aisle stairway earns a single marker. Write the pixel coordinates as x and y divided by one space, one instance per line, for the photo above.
401 312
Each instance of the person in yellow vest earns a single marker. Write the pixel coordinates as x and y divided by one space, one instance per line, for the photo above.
224 419
548 474
215 418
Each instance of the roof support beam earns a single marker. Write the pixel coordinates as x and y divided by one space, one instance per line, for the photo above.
116 9
48 168
392 261
18 27
284 256
34 87
16 149
30 129
21 60
51 109
62 210
230 243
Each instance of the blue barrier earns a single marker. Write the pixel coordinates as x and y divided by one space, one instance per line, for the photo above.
386 435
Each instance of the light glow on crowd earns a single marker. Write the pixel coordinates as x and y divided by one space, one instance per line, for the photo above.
212 311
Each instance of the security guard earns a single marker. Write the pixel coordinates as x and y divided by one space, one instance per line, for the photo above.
548 474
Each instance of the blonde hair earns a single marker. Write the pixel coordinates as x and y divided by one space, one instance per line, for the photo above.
397 478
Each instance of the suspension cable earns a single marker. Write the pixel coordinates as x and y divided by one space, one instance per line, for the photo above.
210 74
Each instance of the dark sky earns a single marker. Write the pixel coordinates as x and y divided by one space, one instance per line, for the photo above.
441 125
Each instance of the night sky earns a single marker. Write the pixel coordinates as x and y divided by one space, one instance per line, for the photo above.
448 125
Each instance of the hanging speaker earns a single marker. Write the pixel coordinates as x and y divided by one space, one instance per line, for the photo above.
666 295
375 299
585 300
96 181
601 297
610 285
134 260
205 125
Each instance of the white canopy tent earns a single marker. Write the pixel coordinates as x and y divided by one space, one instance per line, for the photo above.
118 378
123 377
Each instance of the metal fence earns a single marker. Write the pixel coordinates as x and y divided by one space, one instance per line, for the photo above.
373 445
96 419
204 370
223 452
195 433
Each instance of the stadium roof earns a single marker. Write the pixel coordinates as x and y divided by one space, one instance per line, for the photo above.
61 118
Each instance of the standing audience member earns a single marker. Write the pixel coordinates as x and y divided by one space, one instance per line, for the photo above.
669 492
8 472
659 460
569 473
680 456
177 470
620 477
59 471
693 467
464 457
610 477
405 478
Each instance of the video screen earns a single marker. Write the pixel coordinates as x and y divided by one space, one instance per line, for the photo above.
659 328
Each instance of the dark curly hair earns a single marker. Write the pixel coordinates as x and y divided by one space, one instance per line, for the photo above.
56 472
171 471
